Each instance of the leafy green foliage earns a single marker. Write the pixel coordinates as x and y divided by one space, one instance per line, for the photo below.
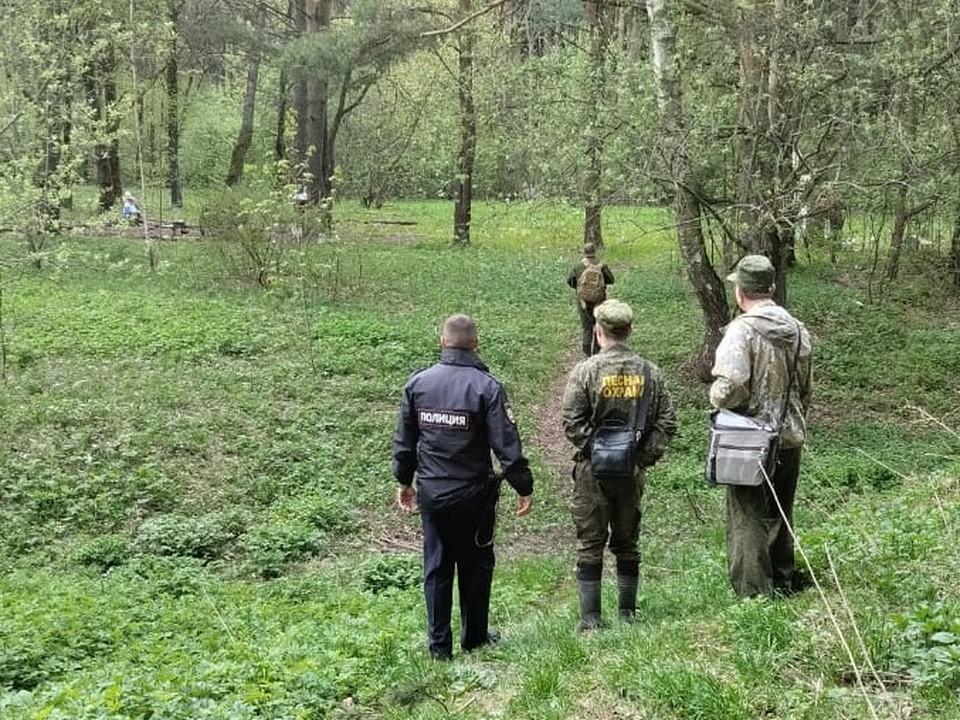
386 572
928 645
104 552
175 534
258 226
196 477
269 547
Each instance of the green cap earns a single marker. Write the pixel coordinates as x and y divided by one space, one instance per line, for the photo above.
614 315
754 273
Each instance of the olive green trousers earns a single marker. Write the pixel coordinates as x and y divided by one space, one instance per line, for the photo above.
760 547
605 513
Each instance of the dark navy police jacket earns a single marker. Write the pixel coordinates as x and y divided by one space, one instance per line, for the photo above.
451 416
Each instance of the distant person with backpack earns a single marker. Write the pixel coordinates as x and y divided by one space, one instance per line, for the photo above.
589 278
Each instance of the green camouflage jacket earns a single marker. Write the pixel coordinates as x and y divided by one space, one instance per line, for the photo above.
607 385
751 370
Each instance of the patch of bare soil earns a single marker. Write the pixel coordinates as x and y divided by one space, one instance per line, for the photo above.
548 436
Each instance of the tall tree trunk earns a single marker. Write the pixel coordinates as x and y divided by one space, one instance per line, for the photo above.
468 137
245 136
101 98
593 130
902 213
312 141
897 234
765 143
955 249
750 128
280 139
955 173
707 286
172 72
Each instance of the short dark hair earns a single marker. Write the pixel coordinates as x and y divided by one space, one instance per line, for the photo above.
757 294
460 331
621 332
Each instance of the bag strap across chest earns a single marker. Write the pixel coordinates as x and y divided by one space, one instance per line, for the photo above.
641 407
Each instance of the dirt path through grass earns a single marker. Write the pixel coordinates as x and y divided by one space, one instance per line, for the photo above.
548 435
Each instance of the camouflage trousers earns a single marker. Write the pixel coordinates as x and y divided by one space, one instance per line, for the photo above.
587 321
606 512
760 552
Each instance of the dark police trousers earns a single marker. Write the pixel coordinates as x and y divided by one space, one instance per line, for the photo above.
458 538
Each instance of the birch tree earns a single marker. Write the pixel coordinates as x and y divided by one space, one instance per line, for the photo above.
686 201
463 193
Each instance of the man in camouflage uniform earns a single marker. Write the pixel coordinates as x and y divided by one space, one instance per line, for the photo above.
586 309
759 351
605 386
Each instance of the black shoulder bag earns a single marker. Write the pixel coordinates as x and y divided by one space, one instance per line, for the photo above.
615 443
741 451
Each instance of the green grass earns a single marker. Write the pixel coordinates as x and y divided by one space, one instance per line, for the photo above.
196 504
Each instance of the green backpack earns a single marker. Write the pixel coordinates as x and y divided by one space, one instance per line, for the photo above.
591 287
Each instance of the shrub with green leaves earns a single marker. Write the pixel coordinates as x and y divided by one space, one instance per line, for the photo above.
104 552
204 536
400 571
270 547
927 644
258 228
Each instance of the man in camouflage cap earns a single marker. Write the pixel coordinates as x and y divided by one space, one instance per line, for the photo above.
762 369
611 385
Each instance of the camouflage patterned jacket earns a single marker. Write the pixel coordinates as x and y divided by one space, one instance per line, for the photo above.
751 370
606 385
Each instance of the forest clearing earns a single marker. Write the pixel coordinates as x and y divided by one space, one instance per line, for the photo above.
198 514
230 230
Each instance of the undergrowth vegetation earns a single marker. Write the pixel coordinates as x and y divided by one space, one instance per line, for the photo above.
196 513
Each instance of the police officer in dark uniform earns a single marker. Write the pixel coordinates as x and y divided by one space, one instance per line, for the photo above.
451 416
611 385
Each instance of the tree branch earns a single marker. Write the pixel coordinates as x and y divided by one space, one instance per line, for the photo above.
457 25
704 10
11 123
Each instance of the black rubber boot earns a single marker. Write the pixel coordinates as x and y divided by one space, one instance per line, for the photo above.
627 596
588 582
589 604
628 579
